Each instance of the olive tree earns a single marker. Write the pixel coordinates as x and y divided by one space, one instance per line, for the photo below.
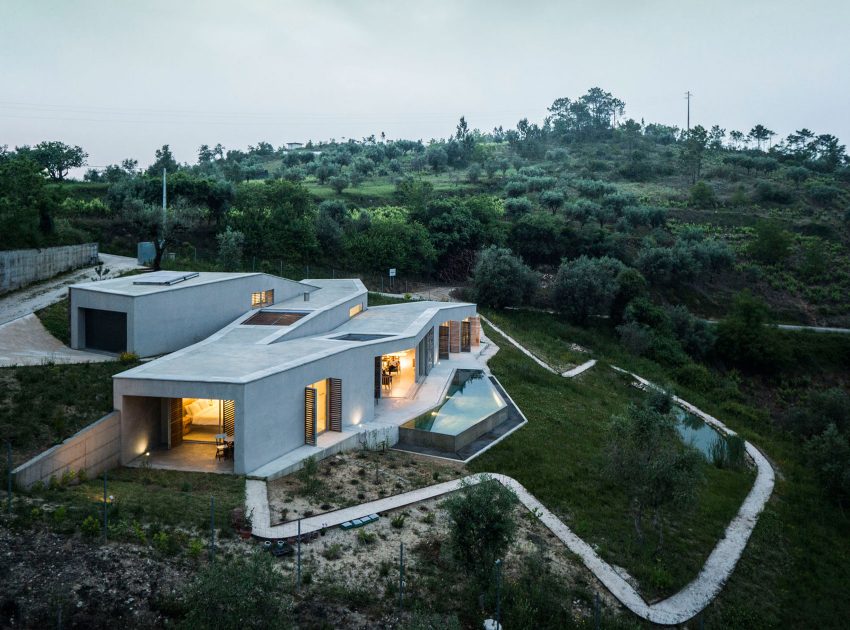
586 287
501 279
482 525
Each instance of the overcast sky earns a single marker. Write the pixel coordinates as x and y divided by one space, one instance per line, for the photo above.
121 78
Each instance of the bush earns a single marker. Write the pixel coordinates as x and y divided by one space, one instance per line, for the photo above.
518 206
515 188
702 195
586 287
397 521
823 194
501 279
745 339
254 598
482 525
91 527
829 455
771 245
768 192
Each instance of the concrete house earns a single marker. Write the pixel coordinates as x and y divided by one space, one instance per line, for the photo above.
282 365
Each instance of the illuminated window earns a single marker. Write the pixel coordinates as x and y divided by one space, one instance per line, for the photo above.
354 310
262 298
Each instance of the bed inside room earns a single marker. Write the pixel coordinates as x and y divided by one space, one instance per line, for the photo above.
202 419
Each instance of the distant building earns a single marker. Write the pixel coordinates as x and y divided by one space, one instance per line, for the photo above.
290 146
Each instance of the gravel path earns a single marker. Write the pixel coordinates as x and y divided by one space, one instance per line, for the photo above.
37 296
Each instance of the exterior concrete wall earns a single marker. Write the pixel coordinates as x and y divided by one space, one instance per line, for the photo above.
142 415
20 267
94 449
165 321
325 320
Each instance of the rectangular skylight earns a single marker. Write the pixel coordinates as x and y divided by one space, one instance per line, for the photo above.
166 278
359 337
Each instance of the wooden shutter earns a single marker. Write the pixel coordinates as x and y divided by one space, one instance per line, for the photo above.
464 337
310 416
228 416
335 404
175 422
377 377
444 341
475 330
454 335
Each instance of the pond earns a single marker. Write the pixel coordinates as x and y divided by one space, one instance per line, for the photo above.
692 430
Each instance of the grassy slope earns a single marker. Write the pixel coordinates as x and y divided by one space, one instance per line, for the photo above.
796 567
42 405
55 320
559 457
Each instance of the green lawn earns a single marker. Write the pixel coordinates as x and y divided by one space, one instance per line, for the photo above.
155 497
55 320
559 457
796 568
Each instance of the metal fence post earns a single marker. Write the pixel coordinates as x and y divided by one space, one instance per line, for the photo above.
596 611
298 569
9 477
212 529
498 594
401 576
105 508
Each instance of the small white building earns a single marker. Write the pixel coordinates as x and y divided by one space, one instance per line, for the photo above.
298 359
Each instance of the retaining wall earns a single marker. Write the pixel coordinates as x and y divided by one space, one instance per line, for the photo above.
94 449
20 267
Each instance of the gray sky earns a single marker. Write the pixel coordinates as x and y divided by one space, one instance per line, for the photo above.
121 78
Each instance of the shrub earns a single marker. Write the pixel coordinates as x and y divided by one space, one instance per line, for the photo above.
515 188
768 192
332 552
255 598
745 339
128 357
586 287
702 195
823 194
501 279
397 521
482 525
91 527
195 548
771 245
829 455
518 206
365 537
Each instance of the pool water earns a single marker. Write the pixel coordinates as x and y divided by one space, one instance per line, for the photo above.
692 430
471 397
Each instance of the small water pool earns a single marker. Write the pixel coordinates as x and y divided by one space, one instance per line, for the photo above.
695 431
472 407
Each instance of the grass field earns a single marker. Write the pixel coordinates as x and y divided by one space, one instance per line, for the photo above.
55 320
796 567
559 457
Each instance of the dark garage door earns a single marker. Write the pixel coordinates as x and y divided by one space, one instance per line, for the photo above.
106 330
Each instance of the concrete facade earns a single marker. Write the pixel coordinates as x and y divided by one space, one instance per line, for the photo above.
265 369
20 267
94 449
162 319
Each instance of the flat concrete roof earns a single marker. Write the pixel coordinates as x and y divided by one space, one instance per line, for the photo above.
245 353
125 284
328 292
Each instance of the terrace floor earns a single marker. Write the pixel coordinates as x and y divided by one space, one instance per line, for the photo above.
187 457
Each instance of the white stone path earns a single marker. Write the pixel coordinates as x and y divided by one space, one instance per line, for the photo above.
676 609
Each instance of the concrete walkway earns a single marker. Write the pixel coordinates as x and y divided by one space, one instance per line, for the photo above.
676 609
37 296
25 341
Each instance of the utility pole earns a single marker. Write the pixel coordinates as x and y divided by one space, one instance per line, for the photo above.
688 96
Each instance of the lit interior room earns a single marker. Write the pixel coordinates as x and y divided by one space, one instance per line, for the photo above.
398 373
202 419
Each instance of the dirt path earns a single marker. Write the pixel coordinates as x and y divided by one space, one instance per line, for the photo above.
37 296
25 341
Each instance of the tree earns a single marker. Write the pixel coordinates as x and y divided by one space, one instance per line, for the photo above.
746 339
693 151
25 205
829 454
386 237
656 471
715 138
482 525
539 238
148 222
760 134
771 245
501 279
586 287
57 158
230 244
164 160
552 199
339 183
437 158
702 195
255 598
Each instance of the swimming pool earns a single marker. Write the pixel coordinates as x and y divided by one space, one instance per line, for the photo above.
694 431
472 407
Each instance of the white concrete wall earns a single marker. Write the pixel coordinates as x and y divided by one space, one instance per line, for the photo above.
20 267
94 449
142 415
165 321
323 321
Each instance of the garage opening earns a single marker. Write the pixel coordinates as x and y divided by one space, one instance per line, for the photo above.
105 330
